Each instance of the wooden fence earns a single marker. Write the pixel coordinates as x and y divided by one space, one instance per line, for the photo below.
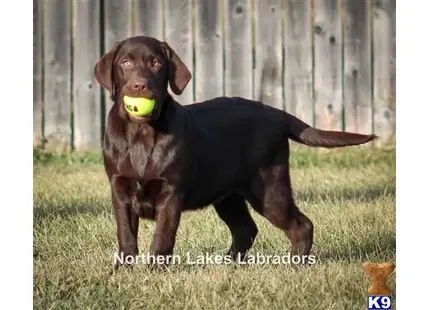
329 62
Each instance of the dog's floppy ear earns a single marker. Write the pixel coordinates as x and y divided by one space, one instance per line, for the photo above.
179 75
103 68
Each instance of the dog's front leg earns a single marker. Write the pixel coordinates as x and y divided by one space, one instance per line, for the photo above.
168 214
127 221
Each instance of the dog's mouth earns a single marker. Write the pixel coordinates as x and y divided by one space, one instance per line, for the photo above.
138 119
137 108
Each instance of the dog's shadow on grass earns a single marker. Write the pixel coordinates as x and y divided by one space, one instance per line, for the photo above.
360 194
69 210
366 194
373 250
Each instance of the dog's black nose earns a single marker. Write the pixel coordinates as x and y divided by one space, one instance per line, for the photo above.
140 85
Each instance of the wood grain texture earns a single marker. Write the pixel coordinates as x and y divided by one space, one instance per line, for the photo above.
149 18
37 72
384 69
209 53
180 39
57 78
118 26
298 80
238 49
86 90
328 64
268 86
357 66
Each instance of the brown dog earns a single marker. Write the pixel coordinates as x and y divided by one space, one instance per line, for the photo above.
223 152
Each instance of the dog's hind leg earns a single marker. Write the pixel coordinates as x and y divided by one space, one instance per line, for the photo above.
271 196
234 212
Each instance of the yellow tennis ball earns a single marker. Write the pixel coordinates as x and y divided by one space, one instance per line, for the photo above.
138 106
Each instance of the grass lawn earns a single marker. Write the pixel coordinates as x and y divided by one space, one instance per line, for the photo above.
349 194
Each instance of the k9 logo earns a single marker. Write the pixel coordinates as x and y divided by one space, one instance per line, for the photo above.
378 302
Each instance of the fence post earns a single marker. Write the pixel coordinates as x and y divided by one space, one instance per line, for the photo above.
328 64
86 90
384 69
57 75
298 79
357 67
179 37
268 53
37 73
238 49
209 55
149 19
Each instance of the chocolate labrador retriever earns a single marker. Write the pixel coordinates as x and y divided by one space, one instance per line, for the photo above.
221 152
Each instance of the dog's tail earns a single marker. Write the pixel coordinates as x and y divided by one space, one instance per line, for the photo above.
303 133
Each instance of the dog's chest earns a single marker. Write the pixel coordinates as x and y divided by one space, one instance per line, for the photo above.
148 155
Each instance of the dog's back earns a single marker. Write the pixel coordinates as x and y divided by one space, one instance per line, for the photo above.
231 139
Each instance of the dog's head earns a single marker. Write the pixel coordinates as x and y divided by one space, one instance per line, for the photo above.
142 67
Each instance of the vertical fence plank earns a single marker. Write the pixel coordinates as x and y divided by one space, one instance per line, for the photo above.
149 18
268 53
298 59
238 49
328 64
86 91
357 66
57 69
179 37
118 26
37 73
209 54
384 69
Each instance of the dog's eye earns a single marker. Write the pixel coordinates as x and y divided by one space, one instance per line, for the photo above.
155 63
126 63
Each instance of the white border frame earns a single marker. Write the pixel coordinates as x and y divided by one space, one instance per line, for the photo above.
412 150
413 118
16 69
